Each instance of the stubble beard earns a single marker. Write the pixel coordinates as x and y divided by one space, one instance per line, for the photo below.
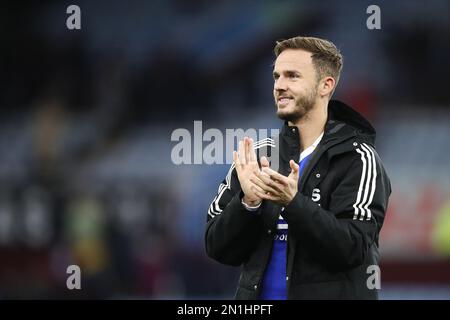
303 105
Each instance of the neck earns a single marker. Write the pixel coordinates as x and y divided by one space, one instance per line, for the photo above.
312 124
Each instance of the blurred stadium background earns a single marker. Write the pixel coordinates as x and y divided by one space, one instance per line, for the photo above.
86 118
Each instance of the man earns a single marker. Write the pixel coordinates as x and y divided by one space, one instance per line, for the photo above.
309 230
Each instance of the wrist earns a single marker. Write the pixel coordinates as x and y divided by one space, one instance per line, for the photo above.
289 201
251 203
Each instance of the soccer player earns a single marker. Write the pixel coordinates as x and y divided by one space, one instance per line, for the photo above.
309 229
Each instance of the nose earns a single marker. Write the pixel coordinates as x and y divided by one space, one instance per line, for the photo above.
280 84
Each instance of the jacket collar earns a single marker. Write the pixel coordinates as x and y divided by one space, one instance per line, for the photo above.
342 123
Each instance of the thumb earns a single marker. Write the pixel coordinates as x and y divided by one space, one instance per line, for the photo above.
294 166
264 162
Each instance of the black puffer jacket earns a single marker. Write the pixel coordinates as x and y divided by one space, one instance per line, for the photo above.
334 220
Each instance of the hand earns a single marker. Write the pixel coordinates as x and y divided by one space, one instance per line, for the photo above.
246 166
276 187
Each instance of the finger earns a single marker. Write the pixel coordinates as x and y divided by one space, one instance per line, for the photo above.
242 153
236 160
247 150
278 188
255 187
294 167
264 162
265 187
252 151
265 196
276 176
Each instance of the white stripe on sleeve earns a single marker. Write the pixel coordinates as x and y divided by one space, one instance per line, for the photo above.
374 178
214 208
367 184
361 184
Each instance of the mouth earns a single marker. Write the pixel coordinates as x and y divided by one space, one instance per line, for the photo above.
284 100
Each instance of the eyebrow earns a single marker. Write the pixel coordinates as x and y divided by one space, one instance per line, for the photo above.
275 73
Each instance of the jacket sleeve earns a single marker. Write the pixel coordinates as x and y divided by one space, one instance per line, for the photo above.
341 236
231 231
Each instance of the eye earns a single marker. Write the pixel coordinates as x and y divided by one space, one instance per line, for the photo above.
294 76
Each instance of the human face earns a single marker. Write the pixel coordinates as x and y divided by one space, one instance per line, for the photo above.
295 84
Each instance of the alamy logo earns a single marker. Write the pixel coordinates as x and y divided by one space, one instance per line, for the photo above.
190 148
74 280
374 279
374 20
74 20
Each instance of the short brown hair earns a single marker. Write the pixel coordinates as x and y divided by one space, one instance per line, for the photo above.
326 58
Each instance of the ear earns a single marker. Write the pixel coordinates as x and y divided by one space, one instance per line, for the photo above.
326 86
